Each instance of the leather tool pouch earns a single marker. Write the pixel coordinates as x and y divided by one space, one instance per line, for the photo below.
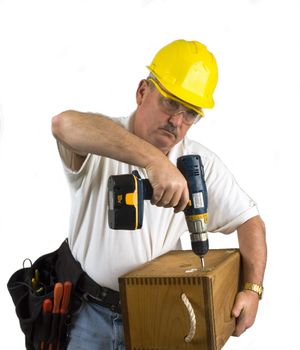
28 296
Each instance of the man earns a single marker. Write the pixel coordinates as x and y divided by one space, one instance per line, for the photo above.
183 76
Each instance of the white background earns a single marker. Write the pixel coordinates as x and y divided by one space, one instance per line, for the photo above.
90 55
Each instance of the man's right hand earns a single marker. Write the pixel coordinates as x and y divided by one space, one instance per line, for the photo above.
169 185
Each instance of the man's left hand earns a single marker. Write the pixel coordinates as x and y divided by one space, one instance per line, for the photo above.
244 310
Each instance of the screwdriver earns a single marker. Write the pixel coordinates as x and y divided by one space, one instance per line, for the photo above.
47 309
64 308
58 293
66 297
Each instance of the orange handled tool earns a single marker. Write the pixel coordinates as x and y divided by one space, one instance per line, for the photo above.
66 297
64 308
47 306
58 293
47 309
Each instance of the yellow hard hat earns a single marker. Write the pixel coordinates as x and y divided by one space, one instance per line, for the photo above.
188 71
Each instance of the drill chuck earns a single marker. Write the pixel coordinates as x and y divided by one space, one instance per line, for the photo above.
199 243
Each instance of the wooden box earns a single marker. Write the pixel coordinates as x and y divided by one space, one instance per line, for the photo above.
154 314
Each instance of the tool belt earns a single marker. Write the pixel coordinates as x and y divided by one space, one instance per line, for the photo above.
54 278
93 292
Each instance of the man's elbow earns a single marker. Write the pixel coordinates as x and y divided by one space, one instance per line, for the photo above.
60 124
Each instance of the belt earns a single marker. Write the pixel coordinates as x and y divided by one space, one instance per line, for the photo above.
95 293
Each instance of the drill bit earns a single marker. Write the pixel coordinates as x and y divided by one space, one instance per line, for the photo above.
202 262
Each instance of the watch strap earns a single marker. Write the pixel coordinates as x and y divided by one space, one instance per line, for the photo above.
257 288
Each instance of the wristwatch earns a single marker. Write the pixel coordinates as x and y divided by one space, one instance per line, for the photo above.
257 288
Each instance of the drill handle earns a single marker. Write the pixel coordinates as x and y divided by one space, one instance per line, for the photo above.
147 189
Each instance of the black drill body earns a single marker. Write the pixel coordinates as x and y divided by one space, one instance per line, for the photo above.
126 195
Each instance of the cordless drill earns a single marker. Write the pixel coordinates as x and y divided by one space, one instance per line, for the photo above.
126 195
195 212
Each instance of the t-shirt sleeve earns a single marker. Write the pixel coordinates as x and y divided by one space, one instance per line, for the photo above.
228 204
74 177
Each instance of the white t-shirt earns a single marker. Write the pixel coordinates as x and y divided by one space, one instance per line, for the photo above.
106 254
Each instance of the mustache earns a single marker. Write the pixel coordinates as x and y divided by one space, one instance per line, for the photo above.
171 128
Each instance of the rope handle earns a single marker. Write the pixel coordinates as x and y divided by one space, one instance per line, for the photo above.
191 312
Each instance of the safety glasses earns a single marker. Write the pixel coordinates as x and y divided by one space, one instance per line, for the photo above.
171 105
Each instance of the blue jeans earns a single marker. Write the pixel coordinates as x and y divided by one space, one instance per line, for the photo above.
95 327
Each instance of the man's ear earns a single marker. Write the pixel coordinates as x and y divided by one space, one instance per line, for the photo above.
141 91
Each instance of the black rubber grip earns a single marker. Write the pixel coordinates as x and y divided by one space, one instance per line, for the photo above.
147 189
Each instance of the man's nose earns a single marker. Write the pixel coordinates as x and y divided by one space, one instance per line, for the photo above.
177 118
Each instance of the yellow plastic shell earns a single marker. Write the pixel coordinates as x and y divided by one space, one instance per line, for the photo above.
188 71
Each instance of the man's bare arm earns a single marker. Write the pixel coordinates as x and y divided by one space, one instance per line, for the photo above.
85 133
253 248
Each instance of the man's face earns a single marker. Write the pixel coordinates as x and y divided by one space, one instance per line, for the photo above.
154 125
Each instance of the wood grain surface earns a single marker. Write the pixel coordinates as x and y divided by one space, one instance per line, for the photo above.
154 316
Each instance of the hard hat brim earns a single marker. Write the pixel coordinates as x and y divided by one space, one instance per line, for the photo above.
175 98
